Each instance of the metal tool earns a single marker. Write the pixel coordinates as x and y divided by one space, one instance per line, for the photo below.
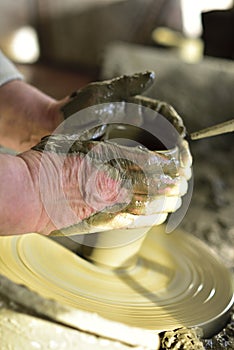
214 130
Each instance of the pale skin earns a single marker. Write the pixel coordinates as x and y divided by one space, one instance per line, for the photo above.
27 115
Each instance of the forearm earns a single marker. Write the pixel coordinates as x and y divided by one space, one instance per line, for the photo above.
19 203
25 115
9 127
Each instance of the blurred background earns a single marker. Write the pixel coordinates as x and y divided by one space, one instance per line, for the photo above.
74 40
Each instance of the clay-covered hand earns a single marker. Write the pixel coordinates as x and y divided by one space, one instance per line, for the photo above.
92 186
87 183
155 181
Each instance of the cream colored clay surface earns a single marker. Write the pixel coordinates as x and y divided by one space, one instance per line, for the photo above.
176 281
19 332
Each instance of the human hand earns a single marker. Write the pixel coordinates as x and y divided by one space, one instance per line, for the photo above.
80 192
89 186
74 193
150 204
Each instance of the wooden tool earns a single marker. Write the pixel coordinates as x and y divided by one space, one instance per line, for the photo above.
214 130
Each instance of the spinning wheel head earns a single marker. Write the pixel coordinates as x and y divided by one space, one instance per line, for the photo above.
175 281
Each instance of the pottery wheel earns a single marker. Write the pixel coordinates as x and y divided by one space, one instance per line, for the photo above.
177 281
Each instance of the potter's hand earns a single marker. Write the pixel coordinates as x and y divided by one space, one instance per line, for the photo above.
157 180
85 194
88 186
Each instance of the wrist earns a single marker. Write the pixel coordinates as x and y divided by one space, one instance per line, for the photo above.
26 115
18 199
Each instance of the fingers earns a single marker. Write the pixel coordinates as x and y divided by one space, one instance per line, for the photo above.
167 199
118 89
102 221
164 109
185 160
127 85
147 221
150 206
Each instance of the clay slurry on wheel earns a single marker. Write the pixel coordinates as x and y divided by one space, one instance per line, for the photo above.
183 283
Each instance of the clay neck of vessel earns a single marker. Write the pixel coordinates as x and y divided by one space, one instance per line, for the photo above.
116 249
